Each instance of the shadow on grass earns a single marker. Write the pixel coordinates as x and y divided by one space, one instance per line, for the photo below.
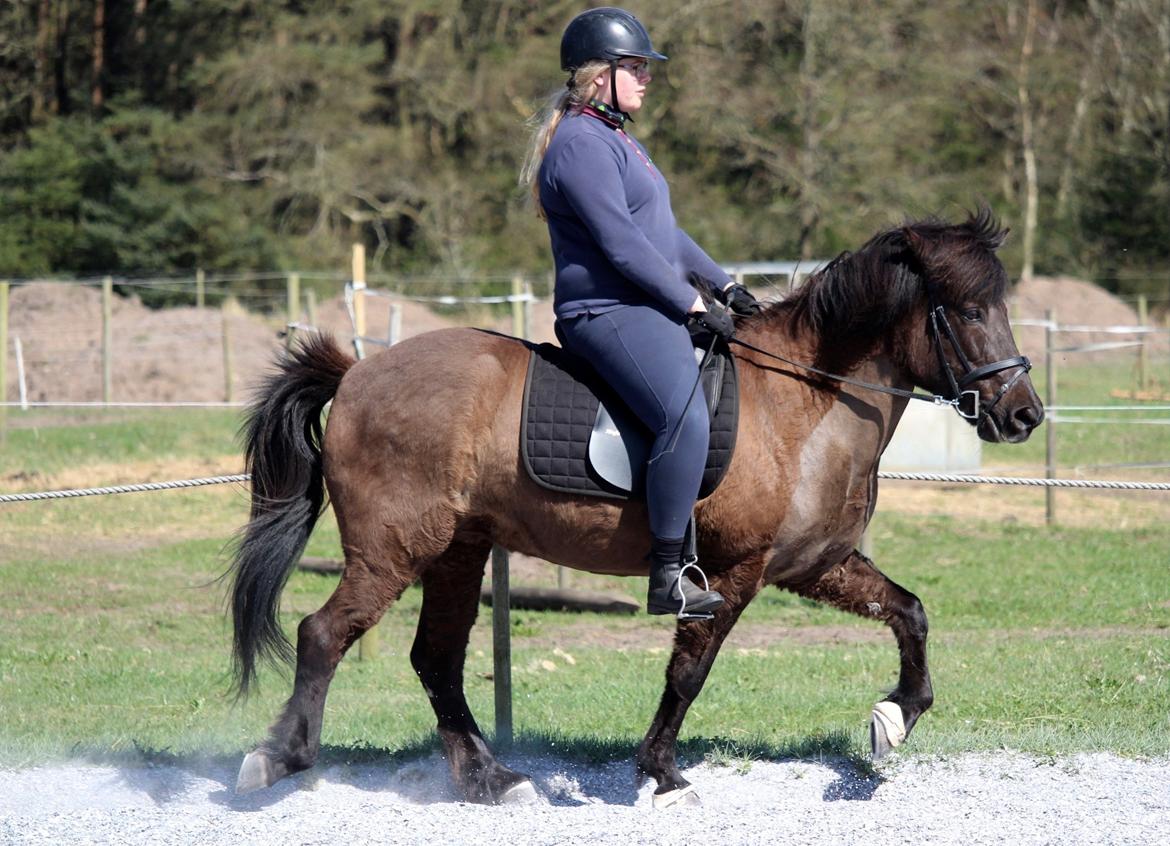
417 772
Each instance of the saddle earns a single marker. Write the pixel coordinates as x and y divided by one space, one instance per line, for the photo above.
577 436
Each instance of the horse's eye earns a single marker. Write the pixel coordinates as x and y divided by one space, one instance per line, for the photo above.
973 315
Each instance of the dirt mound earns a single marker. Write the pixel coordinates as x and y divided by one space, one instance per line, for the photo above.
165 355
417 318
178 354
1074 302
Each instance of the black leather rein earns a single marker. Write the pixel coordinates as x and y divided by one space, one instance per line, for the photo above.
958 385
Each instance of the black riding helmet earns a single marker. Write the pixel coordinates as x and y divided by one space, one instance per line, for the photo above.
605 33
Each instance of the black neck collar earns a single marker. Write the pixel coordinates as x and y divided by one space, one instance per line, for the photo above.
608 115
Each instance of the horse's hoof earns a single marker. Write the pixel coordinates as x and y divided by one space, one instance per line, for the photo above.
682 797
887 729
256 772
520 793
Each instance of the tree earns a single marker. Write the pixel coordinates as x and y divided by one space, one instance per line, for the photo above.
141 135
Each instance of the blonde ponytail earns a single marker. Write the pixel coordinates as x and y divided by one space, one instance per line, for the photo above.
572 98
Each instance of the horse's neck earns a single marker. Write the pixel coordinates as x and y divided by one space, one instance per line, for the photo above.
860 359
775 333
779 334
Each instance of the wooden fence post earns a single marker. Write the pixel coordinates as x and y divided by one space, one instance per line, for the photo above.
293 285
200 287
394 330
22 388
358 276
502 646
225 332
527 310
368 644
3 361
1050 429
517 307
1143 350
107 337
311 306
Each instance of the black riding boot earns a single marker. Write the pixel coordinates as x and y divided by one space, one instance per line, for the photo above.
671 591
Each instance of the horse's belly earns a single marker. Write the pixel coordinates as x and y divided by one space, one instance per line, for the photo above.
592 535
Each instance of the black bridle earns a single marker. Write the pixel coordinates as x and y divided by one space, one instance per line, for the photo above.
958 385
978 412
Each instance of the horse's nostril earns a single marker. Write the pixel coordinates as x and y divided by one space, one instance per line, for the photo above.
1028 417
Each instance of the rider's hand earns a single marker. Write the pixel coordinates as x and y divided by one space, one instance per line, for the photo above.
740 300
716 320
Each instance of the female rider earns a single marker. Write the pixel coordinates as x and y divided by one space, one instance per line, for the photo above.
622 299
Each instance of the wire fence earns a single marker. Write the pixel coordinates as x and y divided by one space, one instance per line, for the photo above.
61 335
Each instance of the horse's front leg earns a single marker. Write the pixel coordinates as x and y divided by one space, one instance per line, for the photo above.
856 585
695 646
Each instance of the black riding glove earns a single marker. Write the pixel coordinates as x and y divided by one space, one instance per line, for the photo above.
716 320
740 300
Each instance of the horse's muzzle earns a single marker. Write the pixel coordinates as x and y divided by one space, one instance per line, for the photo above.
1012 424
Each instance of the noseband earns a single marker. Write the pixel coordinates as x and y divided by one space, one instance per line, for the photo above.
959 392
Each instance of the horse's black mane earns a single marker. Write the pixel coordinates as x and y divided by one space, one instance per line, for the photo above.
869 290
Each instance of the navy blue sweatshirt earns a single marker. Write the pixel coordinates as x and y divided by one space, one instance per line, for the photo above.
614 237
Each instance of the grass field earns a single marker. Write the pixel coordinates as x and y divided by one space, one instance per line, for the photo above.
1049 640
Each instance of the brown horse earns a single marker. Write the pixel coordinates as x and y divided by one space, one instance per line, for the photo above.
420 458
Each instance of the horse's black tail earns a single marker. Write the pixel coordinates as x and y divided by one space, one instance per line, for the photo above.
282 448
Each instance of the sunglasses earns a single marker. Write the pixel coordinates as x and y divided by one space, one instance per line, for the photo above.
639 68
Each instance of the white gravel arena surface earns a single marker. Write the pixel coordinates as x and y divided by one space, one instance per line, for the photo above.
997 798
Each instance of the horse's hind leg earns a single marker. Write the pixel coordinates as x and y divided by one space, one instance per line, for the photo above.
856 585
451 586
364 594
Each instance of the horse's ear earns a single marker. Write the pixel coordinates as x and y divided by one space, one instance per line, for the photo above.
915 240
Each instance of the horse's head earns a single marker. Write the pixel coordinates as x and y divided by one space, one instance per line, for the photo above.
959 342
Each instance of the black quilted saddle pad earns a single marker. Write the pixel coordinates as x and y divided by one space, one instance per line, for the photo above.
560 406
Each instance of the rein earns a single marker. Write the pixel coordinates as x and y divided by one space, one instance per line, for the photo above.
936 399
958 385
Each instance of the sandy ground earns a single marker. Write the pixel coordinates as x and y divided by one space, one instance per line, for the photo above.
976 799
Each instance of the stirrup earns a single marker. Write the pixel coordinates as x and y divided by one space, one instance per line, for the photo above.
691 562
